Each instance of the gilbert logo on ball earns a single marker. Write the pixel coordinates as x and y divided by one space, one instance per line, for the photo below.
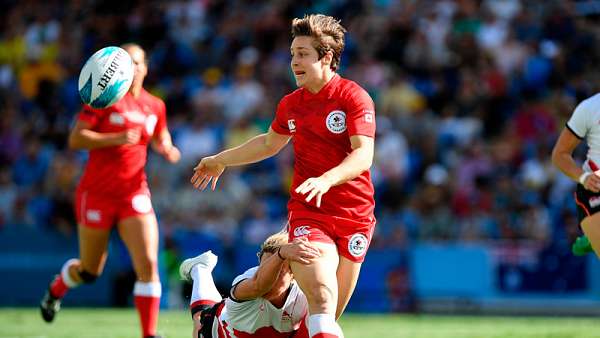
106 77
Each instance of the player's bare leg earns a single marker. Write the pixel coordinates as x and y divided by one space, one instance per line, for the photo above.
92 252
319 284
591 228
347 277
140 235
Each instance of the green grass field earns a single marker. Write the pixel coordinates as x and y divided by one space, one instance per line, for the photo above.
112 323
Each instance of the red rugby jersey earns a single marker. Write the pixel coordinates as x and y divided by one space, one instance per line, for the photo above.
119 170
321 125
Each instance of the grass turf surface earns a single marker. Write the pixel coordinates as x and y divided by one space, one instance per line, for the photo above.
117 323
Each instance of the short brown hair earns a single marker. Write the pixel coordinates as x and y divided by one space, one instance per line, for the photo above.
273 243
327 32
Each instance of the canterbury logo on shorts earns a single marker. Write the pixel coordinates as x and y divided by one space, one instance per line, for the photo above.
301 231
93 215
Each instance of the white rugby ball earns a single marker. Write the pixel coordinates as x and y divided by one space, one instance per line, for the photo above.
106 77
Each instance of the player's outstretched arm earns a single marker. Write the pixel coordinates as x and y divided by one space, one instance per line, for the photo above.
562 158
359 160
301 250
82 137
254 150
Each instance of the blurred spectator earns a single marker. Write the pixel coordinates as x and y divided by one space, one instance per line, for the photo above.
11 139
8 198
197 139
246 93
29 169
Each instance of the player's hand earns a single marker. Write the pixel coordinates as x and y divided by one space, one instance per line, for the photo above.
592 183
300 250
209 169
173 155
129 136
196 330
314 187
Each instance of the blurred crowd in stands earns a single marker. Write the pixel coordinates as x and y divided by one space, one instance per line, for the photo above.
470 97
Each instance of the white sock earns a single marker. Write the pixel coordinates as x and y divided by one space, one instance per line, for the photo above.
147 289
324 323
204 288
64 273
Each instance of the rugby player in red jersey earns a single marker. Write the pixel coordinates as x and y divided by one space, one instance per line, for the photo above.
332 123
113 191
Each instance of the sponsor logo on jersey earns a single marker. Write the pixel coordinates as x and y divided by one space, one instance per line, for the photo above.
116 118
151 124
357 245
141 203
301 231
286 317
292 125
336 122
594 201
135 116
93 215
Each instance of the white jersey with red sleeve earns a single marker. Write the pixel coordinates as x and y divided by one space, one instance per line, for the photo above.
119 170
585 125
258 317
321 125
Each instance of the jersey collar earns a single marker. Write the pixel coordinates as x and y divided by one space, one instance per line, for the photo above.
326 92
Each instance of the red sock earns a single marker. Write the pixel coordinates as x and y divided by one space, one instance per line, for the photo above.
58 288
148 308
63 282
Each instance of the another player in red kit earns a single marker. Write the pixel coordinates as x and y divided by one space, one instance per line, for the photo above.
113 191
332 123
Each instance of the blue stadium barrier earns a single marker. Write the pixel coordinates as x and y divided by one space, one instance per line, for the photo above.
29 259
451 270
